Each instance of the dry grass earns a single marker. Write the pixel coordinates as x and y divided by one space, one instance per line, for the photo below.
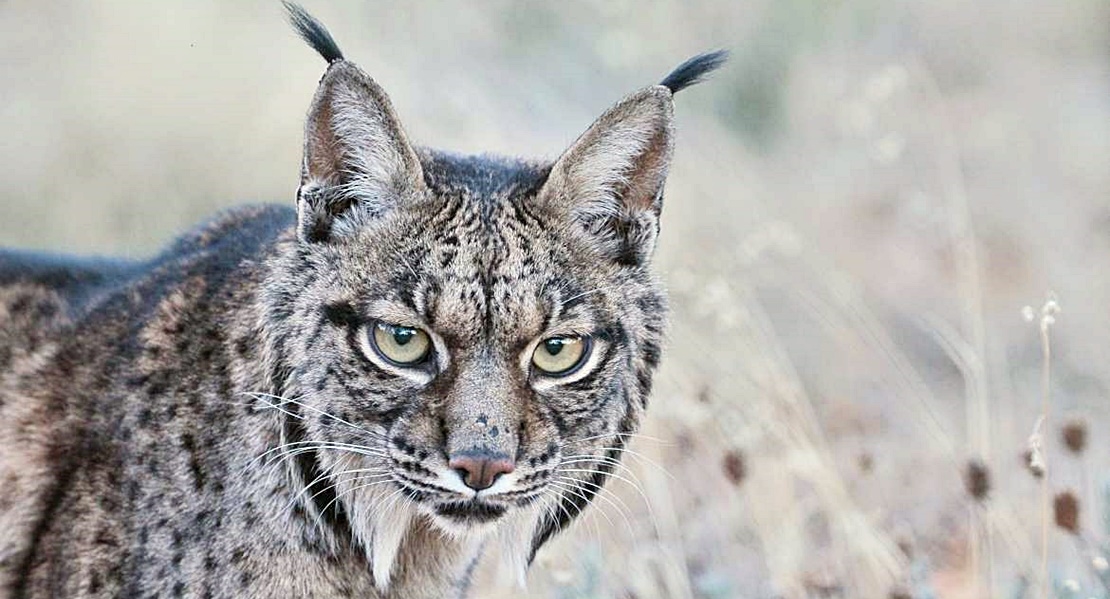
861 205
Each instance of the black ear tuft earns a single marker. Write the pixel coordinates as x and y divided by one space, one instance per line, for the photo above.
694 70
313 32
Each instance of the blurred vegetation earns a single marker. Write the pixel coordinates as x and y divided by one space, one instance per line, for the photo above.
860 206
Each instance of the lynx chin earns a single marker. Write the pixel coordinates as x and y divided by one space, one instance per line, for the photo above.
432 355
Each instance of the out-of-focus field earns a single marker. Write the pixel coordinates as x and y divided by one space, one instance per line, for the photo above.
862 202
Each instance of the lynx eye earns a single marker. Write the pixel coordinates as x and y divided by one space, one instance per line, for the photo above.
560 356
399 345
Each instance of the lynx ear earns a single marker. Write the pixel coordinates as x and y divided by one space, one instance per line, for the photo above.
611 179
357 161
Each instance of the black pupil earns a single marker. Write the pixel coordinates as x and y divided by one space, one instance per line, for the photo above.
554 346
402 336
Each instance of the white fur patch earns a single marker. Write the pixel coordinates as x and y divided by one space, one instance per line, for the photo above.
514 536
381 518
389 532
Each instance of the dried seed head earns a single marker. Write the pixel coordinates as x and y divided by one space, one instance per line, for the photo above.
906 547
685 442
734 466
1035 455
822 584
1034 466
1074 434
977 480
866 462
1028 313
1065 507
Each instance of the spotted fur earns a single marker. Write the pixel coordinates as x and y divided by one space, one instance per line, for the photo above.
209 423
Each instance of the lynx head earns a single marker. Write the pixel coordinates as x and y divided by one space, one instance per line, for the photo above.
470 340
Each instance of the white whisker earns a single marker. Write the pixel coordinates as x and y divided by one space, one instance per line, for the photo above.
307 446
578 492
335 480
296 401
638 457
630 435
347 492
640 491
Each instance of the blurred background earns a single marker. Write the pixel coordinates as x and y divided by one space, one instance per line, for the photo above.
886 236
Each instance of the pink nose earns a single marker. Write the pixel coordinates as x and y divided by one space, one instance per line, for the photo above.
480 469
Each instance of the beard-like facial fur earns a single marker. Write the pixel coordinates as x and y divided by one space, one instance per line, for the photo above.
488 276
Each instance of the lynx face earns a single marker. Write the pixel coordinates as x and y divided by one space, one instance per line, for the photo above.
484 353
473 339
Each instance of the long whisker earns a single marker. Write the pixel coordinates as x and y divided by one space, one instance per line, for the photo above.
354 479
559 503
285 400
585 293
580 492
555 490
630 435
578 459
640 491
335 478
608 496
347 492
302 450
603 473
640 458
271 406
599 489
306 446
332 444
607 461
261 398
333 485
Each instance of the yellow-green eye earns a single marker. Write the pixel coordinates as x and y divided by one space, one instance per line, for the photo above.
403 346
559 356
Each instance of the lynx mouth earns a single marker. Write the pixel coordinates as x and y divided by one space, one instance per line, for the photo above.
473 511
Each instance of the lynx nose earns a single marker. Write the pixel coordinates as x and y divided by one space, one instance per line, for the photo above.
480 469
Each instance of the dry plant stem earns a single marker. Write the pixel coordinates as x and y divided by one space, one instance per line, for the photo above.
828 295
874 554
1046 373
784 421
962 232
973 548
858 317
669 531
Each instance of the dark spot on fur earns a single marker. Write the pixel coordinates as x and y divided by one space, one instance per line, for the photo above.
470 511
341 314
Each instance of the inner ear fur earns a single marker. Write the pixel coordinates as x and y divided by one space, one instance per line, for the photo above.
358 162
610 181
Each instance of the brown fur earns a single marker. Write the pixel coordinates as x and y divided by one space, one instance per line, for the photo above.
210 423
